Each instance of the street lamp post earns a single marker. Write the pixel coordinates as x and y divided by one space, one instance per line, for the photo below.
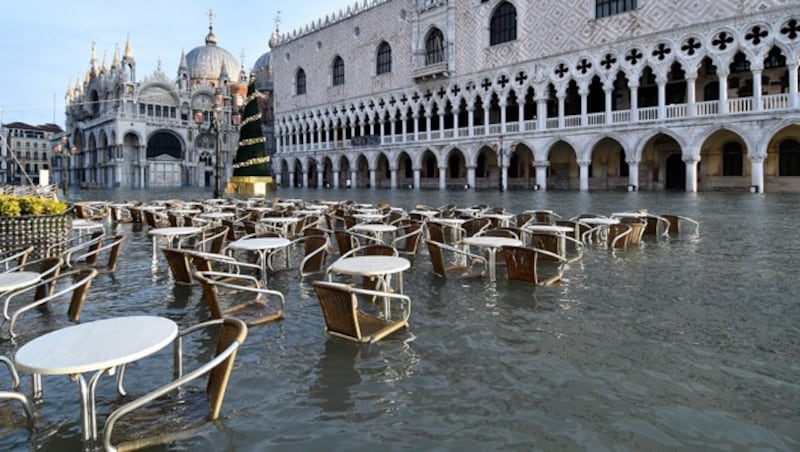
217 126
65 152
501 154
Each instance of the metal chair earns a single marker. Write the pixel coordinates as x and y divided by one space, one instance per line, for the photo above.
259 309
521 265
346 317
74 283
437 251
14 394
163 408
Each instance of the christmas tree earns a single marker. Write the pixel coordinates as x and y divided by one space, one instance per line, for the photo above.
251 155
252 169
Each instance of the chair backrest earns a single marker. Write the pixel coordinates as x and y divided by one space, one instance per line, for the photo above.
409 238
511 233
435 232
339 308
111 244
230 335
344 241
15 394
437 258
178 262
15 257
638 226
544 241
619 236
315 252
476 225
521 218
521 264
75 283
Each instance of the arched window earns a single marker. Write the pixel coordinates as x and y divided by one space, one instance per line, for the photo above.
300 81
338 71
789 158
503 26
732 159
384 63
434 47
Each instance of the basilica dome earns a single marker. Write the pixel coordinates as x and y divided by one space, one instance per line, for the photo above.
262 71
205 62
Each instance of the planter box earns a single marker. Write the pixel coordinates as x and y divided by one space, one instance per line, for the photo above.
41 231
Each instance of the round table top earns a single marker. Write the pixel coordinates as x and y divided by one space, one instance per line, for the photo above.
259 243
548 228
491 242
81 223
17 280
629 215
597 221
448 221
217 215
374 228
179 230
281 220
185 211
95 345
368 216
370 265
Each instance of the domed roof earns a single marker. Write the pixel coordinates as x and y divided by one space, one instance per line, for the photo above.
205 62
262 63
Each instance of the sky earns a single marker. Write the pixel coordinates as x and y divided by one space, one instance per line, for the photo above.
45 45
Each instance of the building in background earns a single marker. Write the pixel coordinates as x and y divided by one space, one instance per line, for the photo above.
155 131
578 94
26 150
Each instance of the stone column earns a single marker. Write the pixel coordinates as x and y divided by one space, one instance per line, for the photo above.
561 96
583 91
691 97
442 178
415 116
793 101
757 90
471 120
608 90
417 178
353 178
722 74
335 178
471 176
305 178
541 113
427 125
691 172
521 112
662 97
634 102
320 174
757 172
583 165
393 176
633 173
291 179
372 179
404 125
503 104
278 178
541 173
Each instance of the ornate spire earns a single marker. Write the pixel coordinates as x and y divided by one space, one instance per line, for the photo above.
276 34
93 70
184 65
104 66
115 59
211 38
128 53
242 72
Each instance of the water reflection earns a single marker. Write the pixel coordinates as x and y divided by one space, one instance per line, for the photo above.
688 342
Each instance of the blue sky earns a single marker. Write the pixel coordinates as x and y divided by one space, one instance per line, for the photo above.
46 44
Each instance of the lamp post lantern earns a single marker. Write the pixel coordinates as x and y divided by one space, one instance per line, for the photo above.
501 154
217 126
65 152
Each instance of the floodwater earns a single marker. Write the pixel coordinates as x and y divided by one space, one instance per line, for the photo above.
687 343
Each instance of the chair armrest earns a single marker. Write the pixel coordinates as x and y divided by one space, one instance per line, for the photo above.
257 288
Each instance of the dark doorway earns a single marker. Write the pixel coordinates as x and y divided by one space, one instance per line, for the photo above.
676 173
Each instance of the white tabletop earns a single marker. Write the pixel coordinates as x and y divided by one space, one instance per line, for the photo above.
96 345
81 223
498 216
374 228
174 231
425 213
597 221
548 228
261 243
217 215
370 265
368 216
629 215
184 211
279 220
491 242
17 280
448 221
